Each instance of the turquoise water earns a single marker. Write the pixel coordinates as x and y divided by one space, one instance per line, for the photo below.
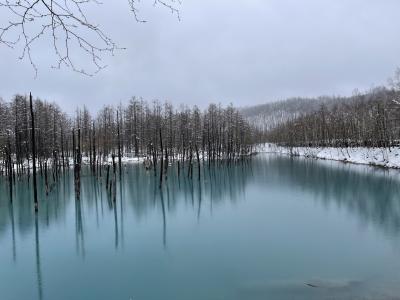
274 228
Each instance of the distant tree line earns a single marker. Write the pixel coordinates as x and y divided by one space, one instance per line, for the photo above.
369 120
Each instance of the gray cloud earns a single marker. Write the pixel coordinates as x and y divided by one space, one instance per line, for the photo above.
244 52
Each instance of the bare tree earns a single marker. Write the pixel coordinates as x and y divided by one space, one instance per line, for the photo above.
66 24
394 82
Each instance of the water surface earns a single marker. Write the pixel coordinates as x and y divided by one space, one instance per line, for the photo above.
273 228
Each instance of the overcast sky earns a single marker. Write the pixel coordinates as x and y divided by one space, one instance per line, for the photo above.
241 51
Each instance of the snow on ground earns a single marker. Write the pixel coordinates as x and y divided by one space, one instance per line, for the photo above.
381 157
108 160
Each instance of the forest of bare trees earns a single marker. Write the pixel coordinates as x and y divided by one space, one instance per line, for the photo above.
370 120
156 132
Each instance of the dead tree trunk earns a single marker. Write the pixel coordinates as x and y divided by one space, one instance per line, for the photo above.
94 150
198 159
119 147
35 198
9 165
162 159
77 164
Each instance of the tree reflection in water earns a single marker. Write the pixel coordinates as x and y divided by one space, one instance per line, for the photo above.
369 195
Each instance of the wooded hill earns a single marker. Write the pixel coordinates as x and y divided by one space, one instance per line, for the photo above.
371 119
268 116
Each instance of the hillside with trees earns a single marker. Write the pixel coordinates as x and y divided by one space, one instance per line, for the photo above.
369 119
270 115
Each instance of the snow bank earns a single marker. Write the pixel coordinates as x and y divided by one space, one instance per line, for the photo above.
381 157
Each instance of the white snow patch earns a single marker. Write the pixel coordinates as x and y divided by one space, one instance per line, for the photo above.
382 157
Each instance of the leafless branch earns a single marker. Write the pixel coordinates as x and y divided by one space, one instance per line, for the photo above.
67 24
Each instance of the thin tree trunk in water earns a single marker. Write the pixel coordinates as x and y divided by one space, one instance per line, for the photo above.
94 150
77 166
112 185
154 160
9 165
162 159
113 163
35 198
46 181
62 149
166 162
79 158
90 151
190 169
119 148
73 148
198 159
108 175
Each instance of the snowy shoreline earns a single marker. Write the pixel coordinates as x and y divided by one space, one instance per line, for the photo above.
379 157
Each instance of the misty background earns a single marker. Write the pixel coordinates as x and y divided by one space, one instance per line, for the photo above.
245 52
